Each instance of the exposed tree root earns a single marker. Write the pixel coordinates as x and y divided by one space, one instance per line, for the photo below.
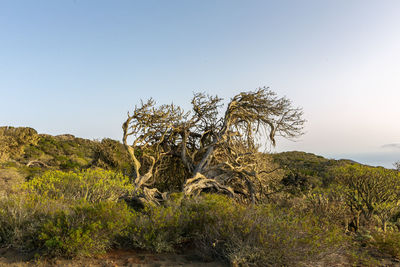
153 196
194 186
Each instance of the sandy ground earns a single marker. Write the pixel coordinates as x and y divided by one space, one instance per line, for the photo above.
112 259
135 258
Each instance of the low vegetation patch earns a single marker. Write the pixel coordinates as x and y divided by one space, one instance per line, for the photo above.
55 216
88 185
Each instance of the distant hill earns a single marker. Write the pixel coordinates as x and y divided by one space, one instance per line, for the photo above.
314 168
31 153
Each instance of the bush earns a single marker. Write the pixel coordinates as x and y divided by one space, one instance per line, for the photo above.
66 213
84 230
21 217
89 185
55 229
63 152
77 214
221 228
329 204
111 154
388 242
260 235
370 191
159 228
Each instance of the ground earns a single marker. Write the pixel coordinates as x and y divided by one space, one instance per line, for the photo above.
114 258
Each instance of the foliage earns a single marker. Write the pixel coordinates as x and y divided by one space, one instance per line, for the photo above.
51 216
55 228
314 170
64 152
89 185
159 228
21 216
260 235
111 154
329 204
84 230
221 228
297 183
388 242
370 191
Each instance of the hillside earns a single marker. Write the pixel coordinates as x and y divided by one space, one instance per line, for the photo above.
25 153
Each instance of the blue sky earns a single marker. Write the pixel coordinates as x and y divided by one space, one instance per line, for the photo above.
78 66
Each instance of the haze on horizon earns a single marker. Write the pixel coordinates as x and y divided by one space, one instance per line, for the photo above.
78 66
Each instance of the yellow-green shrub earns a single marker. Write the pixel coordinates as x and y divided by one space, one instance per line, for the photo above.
21 217
261 235
111 154
89 185
78 209
221 228
370 191
85 230
329 204
158 228
388 242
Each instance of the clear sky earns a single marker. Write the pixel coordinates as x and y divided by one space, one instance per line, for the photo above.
77 66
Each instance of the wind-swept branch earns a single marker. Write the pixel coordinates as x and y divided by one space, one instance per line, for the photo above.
150 127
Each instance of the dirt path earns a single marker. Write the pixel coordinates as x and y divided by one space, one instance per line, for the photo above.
112 259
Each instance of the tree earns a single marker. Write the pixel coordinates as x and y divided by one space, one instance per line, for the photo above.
209 143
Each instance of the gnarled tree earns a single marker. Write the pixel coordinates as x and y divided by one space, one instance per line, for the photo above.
211 143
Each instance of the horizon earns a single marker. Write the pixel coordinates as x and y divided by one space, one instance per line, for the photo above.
76 67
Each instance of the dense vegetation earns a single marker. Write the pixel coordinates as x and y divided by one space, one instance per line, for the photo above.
71 197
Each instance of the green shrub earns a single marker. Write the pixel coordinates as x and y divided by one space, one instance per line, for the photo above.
158 228
64 152
66 213
370 191
329 204
221 228
260 235
85 230
21 217
56 228
388 242
111 154
89 185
